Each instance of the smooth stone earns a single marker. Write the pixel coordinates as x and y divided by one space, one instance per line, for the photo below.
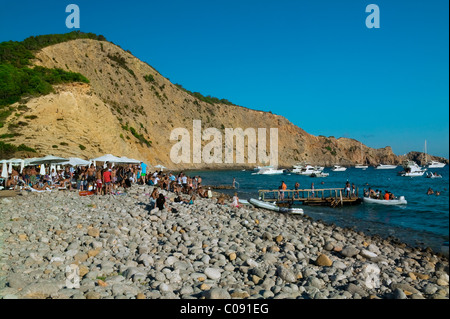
349 251
212 273
217 293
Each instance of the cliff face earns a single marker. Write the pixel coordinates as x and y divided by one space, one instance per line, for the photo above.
129 109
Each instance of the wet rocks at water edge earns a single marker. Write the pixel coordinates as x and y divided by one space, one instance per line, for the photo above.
63 246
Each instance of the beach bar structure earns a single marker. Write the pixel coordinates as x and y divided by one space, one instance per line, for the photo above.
333 197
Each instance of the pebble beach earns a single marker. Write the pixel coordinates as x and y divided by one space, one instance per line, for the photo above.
120 249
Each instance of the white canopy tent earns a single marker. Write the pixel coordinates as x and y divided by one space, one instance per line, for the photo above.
126 160
49 159
160 167
75 161
4 169
107 158
15 161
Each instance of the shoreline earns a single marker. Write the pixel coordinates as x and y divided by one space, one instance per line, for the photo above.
203 250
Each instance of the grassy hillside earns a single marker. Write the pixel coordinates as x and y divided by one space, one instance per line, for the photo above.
17 79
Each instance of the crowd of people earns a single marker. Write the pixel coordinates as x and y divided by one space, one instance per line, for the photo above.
378 194
349 190
98 179
107 179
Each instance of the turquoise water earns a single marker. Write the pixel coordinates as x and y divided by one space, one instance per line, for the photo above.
423 222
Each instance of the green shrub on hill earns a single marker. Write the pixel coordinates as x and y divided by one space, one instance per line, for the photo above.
17 79
7 150
208 99
17 82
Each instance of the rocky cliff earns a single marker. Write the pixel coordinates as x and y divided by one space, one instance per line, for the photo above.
129 109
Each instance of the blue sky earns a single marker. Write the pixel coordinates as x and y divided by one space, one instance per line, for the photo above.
313 62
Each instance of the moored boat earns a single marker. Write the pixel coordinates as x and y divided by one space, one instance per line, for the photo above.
385 166
268 170
432 164
337 168
411 169
307 169
319 174
435 164
274 207
399 201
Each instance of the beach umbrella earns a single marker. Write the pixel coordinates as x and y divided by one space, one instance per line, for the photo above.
75 161
49 159
42 171
27 161
10 168
4 170
22 165
160 167
14 161
126 160
107 158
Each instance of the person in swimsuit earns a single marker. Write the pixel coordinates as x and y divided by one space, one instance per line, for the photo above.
347 189
99 189
296 187
160 202
143 172
90 178
235 202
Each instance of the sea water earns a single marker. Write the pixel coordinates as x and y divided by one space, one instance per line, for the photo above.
423 222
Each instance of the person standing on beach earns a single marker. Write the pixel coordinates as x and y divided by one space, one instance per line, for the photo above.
90 178
113 178
283 187
184 182
107 180
347 189
296 187
99 182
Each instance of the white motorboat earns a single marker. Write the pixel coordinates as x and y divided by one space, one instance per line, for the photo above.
307 169
268 170
383 166
411 169
319 174
274 207
363 166
435 164
399 201
337 168
432 164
